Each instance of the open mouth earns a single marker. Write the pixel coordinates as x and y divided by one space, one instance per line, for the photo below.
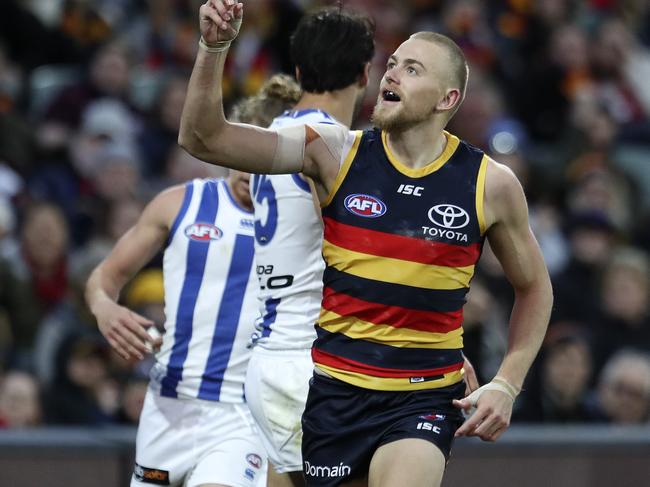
391 96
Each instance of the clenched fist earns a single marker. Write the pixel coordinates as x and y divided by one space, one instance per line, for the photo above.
220 21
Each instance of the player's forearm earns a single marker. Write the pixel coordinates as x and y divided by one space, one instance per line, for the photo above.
101 288
528 324
203 119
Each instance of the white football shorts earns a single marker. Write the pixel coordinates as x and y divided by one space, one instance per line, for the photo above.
190 442
277 383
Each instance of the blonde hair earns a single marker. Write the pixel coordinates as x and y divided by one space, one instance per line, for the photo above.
459 69
279 93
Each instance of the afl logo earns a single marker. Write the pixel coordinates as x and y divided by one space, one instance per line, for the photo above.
449 216
203 232
365 205
254 460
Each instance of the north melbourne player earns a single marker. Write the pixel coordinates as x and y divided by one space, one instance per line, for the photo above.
195 428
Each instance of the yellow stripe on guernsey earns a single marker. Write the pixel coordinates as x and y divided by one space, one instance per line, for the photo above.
389 335
390 384
345 167
396 271
480 194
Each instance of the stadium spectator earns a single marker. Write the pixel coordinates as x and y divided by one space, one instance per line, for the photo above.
158 138
564 377
81 384
20 405
108 76
623 393
577 290
625 298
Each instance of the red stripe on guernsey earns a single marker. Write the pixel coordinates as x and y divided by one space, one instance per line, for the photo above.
399 247
324 358
395 316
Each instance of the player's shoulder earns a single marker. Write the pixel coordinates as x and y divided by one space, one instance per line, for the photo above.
303 117
504 196
165 205
500 178
169 196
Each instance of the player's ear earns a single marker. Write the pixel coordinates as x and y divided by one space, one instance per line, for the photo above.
364 79
449 101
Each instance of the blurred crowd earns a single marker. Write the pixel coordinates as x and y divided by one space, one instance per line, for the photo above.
91 93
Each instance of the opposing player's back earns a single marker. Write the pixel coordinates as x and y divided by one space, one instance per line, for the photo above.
210 293
288 237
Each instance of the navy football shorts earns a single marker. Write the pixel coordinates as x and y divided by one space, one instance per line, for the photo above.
344 425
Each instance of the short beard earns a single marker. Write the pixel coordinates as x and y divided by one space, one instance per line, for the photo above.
400 120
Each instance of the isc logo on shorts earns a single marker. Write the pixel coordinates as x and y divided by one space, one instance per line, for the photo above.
365 205
203 232
428 427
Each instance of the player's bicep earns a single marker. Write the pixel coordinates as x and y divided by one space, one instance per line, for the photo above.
133 250
142 241
238 146
510 236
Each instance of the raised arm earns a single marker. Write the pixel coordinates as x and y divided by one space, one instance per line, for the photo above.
515 247
124 329
204 132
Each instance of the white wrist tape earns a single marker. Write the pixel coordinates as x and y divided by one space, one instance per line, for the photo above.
218 47
221 45
497 384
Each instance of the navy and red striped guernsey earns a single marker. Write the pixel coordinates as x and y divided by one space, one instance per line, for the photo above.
400 246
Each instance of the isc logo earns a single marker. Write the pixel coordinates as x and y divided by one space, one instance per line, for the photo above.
365 205
428 427
203 232
410 189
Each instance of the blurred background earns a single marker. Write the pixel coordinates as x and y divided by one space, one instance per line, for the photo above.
91 93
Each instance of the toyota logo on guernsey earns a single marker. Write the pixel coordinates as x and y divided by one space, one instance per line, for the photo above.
203 232
448 218
365 205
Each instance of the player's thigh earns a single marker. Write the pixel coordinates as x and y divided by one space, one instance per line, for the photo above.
277 384
235 463
164 441
411 461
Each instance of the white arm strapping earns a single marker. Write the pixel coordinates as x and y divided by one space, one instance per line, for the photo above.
290 150
335 138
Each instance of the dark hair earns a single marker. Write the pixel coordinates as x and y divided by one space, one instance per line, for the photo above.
331 47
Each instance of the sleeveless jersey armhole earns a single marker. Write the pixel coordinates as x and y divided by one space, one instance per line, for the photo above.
480 195
348 154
